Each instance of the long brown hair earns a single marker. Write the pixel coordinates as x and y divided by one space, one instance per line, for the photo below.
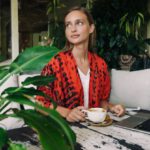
92 37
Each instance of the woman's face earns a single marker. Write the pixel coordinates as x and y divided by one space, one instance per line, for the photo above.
77 28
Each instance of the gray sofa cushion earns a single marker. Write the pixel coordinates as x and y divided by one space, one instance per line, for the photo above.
131 88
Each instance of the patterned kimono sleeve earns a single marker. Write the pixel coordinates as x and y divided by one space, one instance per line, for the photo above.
50 69
106 90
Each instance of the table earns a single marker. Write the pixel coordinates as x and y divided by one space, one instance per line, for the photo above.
26 136
110 138
94 138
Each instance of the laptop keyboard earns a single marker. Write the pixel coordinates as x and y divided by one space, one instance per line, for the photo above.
131 122
144 126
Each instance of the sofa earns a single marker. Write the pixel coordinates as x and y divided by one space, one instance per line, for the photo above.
13 81
131 89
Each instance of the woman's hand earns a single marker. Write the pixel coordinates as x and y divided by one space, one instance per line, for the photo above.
118 109
76 114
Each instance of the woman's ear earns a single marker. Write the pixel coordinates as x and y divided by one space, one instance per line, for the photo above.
92 27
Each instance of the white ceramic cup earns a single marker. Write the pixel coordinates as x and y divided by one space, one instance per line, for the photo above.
96 115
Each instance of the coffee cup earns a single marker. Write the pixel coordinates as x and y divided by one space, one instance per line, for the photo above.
96 115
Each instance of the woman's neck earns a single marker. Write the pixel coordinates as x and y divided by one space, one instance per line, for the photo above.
80 52
81 57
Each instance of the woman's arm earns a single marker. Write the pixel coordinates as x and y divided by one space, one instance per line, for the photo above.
71 115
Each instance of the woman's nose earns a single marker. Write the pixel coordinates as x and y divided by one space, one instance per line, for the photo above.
73 28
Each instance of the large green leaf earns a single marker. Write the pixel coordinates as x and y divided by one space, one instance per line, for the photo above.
33 59
3 138
52 114
30 60
3 73
51 135
3 105
38 80
20 91
4 67
16 146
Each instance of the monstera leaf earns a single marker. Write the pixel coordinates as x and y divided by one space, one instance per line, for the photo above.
30 60
53 131
3 138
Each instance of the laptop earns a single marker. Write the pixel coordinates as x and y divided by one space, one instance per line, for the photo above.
139 122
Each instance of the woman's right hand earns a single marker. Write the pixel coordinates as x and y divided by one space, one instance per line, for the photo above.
76 114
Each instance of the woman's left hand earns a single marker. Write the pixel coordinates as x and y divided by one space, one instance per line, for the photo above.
118 109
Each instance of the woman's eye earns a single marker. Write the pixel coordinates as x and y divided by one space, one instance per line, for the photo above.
80 23
68 25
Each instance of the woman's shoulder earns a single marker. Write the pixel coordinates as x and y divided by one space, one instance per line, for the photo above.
62 54
60 57
98 58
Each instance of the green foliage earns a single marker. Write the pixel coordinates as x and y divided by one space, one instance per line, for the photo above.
52 129
31 60
28 60
119 27
55 26
53 7
3 138
50 132
38 80
89 4
131 25
56 34
15 146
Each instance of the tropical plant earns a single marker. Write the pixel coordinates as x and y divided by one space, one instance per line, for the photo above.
53 131
89 4
120 27
55 26
53 7
132 24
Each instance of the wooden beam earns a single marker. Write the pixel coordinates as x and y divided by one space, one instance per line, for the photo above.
14 29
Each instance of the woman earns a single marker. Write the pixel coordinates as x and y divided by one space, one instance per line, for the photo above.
82 80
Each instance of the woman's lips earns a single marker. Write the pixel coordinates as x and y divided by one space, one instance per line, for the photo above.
75 36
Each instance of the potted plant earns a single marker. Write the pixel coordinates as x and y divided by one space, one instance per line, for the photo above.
53 131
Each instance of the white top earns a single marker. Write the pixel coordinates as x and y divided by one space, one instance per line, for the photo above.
85 79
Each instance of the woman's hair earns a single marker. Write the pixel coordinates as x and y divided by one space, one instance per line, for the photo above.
92 37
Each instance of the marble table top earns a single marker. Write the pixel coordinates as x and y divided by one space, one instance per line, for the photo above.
109 138
95 138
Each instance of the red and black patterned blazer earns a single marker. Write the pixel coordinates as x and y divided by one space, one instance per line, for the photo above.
67 89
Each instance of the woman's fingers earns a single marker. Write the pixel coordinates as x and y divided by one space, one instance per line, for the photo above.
76 115
118 109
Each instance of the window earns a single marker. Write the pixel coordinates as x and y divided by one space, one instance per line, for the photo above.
5 30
